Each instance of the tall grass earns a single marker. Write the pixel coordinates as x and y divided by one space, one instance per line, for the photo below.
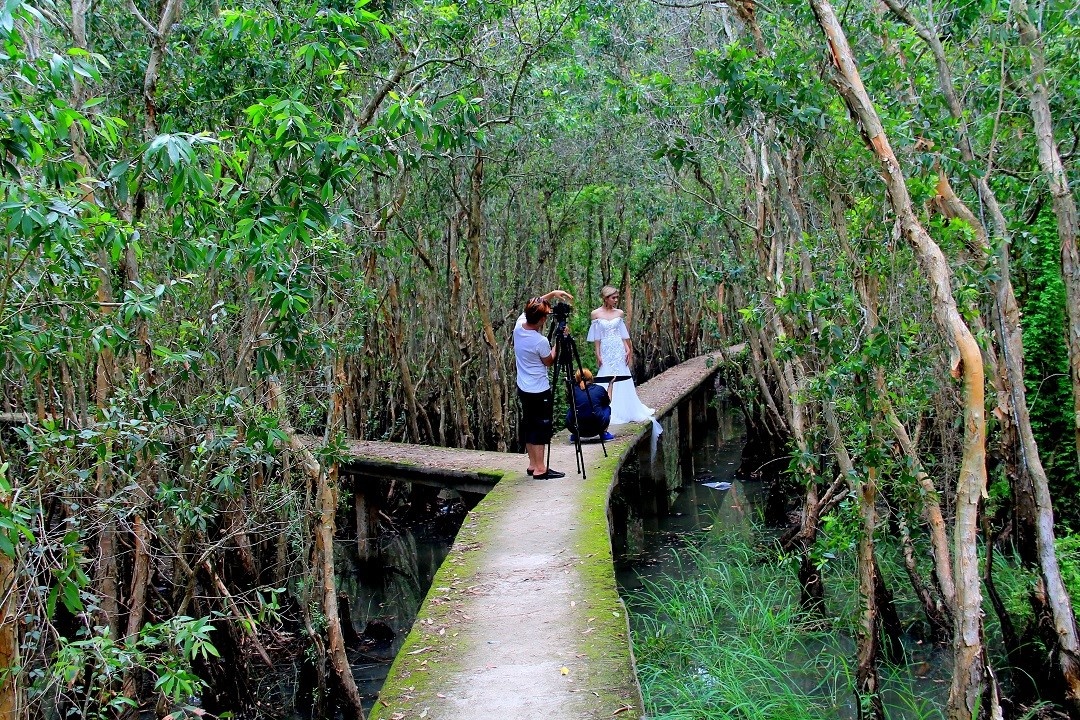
727 641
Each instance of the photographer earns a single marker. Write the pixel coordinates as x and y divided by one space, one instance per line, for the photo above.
593 408
533 356
548 298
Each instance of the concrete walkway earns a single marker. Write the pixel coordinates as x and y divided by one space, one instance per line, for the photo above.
523 619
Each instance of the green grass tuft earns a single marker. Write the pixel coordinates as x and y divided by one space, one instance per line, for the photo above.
727 641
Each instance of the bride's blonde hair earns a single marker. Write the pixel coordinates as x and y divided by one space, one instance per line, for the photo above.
606 291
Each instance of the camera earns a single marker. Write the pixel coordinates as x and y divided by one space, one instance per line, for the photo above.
561 311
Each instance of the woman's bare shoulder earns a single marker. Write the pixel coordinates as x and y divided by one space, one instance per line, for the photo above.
595 314
618 312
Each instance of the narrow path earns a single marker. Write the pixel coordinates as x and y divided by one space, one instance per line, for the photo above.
523 619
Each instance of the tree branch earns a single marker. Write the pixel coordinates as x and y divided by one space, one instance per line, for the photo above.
142 20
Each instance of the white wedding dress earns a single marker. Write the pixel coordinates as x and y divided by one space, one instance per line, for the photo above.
625 405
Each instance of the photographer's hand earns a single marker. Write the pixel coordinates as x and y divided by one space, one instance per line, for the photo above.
559 294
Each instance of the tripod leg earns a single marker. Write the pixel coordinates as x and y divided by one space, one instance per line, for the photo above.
578 457
568 362
592 407
554 380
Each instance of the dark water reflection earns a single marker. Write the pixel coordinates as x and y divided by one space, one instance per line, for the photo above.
690 483
386 587
384 596
385 561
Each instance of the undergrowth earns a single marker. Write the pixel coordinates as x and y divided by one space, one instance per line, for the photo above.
728 641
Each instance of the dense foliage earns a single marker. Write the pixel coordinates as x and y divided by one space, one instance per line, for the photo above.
230 226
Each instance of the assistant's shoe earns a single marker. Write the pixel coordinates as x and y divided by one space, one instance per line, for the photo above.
529 471
549 475
608 436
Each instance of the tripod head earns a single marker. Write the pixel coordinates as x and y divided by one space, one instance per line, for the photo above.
566 352
561 311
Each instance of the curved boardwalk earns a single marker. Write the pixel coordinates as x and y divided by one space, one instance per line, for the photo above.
523 619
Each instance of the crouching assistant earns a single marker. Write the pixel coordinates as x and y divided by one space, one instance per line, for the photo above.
591 413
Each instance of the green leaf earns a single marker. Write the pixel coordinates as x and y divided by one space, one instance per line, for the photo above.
119 169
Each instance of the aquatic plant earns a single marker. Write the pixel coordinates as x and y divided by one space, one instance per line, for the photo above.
727 640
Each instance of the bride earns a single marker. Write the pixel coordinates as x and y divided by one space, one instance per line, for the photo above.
615 354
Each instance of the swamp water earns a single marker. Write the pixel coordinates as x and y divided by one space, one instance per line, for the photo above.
688 501
383 576
386 588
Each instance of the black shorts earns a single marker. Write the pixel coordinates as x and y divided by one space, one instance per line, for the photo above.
535 417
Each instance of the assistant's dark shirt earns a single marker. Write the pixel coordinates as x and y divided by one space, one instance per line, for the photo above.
593 417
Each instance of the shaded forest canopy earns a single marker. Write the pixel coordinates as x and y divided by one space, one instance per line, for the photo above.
226 226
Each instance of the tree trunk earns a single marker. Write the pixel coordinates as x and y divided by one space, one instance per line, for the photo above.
889 627
324 549
9 624
158 39
627 294
867 657
140 581
326 500
495 370
969 665
1067 654
399 349
1068 222
793 374
1016 650
105 570
1034 511
866 663
458 345
934 609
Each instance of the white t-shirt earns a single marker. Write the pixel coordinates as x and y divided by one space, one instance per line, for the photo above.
530 348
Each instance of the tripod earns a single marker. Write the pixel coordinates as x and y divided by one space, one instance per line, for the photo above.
566 358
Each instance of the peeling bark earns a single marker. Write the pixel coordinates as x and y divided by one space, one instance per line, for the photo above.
1067 652
1064 205
969 664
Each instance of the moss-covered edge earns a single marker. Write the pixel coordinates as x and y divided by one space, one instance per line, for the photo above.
609 648
605 642
409 684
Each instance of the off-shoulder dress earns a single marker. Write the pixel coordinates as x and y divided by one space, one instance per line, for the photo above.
625 405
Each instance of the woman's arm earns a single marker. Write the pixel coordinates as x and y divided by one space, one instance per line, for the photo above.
625 334
594 336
